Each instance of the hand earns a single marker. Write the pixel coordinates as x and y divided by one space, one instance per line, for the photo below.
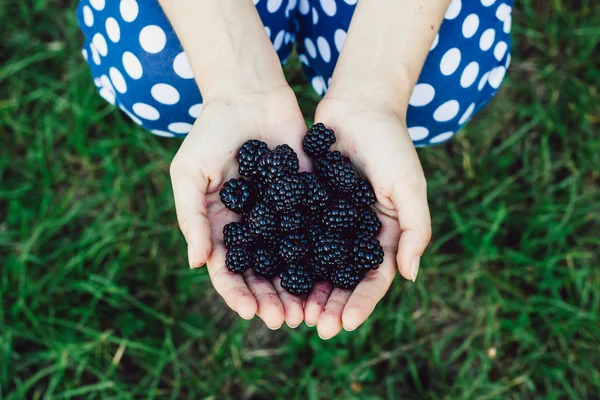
207 159
377 141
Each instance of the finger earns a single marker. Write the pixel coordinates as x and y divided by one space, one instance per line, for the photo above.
292 305
330 321
189 188
316 301
230 286
369 292
270 309
410 200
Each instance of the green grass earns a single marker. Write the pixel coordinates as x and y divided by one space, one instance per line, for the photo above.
97 300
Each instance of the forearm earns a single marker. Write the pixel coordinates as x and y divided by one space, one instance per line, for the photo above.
385 49
226 45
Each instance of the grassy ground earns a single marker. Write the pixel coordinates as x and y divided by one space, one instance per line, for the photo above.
97 300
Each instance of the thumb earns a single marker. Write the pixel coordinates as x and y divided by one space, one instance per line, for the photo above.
189 189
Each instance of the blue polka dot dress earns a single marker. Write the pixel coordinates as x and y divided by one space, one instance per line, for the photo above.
138 64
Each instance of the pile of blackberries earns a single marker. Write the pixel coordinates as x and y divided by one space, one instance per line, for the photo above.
304 226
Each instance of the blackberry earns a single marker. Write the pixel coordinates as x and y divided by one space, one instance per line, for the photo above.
342 176
320 272
278 162
316 196
237 195
266 262
248 156
368 223
293 247
367 253
346 277
261 221
236 234
259 188
292 222
296 279
340 217
318 140
330 251
238 260
323 163
363 195
285 193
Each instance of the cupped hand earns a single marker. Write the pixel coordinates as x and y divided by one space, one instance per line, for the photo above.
207 159
377 141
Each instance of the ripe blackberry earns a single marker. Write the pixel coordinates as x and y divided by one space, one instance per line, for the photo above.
266 262
259 188
293 247
296 279
363 195
342 176
316 195
248 156
278 162
237 195
323 163
319 272
261 221
285 193
238 260
236 234
292 222
367 253
330 251
340 217
318 140
346 277
368 223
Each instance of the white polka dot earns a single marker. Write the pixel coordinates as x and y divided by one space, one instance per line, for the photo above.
85 55
442 137
496 76
88 16
470 26
133 117
117 79
446 111
508 58
422 94
165 94
310 47
290 7
107 95
129 10
324 49
436 40
273 5
268 30
95 55
97 4
153 39
329 82
255 2
315 16
287 38
487 3
318 83
469 75
106 83
180 127
100 44
500 50
132 65
503 12
112 29
146 111
98 82
162 133
418 132
303 59
467 114
182 66
351 2
278 40
507 24
453 9
329 7
483 80
195 110
304 7
339 37
450 61
487 39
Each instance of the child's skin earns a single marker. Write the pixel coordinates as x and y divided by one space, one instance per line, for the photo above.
246 96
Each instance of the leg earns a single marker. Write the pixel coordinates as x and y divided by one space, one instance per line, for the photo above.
465 67
138 64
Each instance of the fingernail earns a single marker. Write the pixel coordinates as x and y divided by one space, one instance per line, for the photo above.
414 268
274 329
191 255
309 325
322 338
246 318
349 329
292 326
